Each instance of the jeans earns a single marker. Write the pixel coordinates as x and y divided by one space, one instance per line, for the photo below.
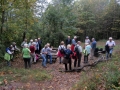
50 57
44 60
109 54
27 62
92 53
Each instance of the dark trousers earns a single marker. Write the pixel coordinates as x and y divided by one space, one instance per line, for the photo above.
69 62
86 58
27 62
78 59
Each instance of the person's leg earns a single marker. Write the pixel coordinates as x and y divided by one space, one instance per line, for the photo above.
50 56
25 62
87 58
66 66
60 60
79 60
70 63
29 64
9 63
92 53
47 58
107 55
44 61
34 56
75 61
111 50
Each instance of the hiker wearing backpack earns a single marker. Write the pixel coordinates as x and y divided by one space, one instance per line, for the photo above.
93 45
78 51
61 50
87 52
67 58
110 44
73 43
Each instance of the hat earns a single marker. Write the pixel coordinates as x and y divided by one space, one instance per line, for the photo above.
110 37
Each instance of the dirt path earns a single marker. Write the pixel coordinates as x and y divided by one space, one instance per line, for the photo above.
59 81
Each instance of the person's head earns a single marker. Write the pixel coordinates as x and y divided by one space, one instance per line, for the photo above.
93 39
13 43
25 40
48 44
62 43
110 39
68 46
87 37
31 40
79 42
45 46
68 37
33 43
36 40
10 46
25 45
75 37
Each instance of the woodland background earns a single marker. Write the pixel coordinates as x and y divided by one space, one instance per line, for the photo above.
56 20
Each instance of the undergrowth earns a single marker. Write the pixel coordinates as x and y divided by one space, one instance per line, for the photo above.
11 74
105 76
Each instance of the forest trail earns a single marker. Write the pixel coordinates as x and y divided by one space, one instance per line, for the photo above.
59 81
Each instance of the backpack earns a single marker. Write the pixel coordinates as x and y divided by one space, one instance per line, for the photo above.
85 52
62 50
67 54
76 49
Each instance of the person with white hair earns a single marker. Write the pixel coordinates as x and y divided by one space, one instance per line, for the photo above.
24 42
49 54
30 43
87 40
43 55
26 56
110 44
73 43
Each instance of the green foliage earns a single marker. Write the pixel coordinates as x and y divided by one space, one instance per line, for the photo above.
23 75
105 76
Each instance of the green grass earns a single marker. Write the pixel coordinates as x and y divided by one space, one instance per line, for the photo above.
23 75
105 76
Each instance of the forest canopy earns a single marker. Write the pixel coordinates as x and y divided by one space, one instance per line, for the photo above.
56 20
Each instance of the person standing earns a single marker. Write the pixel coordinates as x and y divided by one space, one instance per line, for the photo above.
36 47
24 42
49 55
93 45
8 55
61 49
26 56
40 44
67 58
87 52
68 41
110 44
33 55
30 43
87 40
73 43
78 50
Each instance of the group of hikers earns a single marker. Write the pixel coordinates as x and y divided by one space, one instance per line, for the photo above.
67 51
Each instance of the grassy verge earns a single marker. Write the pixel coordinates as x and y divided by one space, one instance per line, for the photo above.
105 76
10 74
